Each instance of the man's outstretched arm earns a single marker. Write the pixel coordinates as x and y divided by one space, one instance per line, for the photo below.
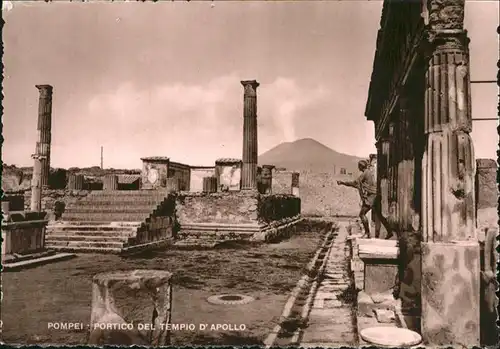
353 184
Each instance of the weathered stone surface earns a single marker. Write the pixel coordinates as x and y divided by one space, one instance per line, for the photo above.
450 293
110 305
486 184
384 315
379 278
222 207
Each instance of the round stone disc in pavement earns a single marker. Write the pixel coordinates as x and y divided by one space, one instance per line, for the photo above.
390 336
230 299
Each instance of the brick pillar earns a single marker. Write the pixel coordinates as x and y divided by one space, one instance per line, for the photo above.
110 182
450 251
249 168
44 132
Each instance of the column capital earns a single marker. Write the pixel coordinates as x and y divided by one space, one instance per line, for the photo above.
250 87
45 90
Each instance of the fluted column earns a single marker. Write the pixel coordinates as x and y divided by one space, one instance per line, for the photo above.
249 168
448 164
44 131
450 251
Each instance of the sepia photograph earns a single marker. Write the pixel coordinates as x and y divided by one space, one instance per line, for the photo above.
250 173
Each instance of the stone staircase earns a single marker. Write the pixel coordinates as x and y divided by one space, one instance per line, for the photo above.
104 221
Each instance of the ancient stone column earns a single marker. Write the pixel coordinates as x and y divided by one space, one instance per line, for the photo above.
249 168
450 250
36 184
76 182
383 148
143 319
110 182
44 131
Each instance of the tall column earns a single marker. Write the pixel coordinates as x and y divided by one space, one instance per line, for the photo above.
450 251
383 152
44 131
249 168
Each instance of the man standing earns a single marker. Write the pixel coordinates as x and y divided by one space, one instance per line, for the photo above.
367 185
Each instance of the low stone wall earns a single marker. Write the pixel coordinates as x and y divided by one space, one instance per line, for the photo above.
222 207
23 237
51 196
277 207
236 216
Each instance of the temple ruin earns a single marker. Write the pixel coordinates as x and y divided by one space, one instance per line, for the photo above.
169 202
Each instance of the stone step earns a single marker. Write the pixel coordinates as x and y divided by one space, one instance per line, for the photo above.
105 217
76 232
105 201
84 244
117 193
86 249
114 199
112 209
91 229
90 238
96 224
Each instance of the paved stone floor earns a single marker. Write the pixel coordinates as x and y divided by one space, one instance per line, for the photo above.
331 318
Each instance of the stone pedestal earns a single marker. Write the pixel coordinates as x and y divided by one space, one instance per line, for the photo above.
250 152
110 182
450 293
138 304
380 258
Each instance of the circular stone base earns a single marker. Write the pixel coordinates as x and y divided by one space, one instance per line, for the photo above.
390 336
230 299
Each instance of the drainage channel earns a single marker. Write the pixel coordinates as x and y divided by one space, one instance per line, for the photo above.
294 316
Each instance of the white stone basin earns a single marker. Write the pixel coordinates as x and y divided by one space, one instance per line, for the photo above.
390 336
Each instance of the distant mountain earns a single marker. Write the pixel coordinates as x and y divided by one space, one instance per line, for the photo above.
309 155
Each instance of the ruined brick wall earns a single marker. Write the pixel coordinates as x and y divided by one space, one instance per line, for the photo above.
51 196
276 207
222 207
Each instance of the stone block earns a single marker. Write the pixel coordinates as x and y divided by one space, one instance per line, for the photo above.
384 316
379 278
450 293
111 305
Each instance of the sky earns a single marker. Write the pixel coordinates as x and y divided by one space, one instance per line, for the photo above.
163 79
